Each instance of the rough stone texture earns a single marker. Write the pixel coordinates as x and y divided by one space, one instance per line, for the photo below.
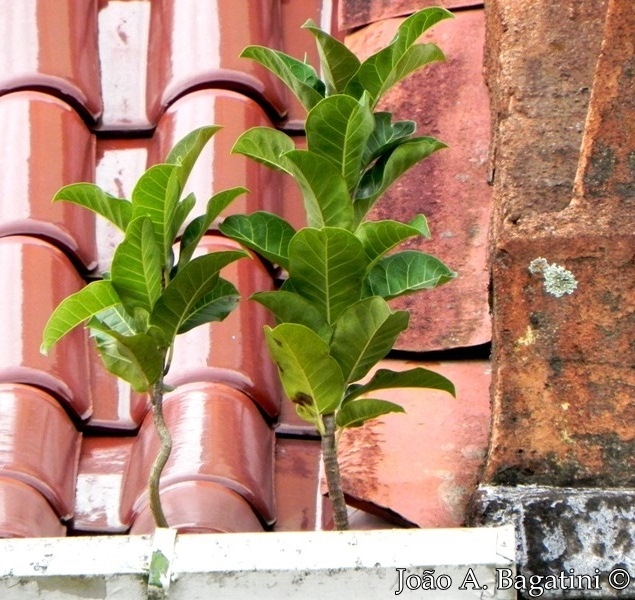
355 13
590 531
448 101
563 381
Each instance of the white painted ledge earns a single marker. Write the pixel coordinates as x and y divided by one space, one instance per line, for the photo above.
325 565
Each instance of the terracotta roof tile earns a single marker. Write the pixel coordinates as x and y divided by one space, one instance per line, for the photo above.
218 436
50 147
38 276
32 56
448 101
40 445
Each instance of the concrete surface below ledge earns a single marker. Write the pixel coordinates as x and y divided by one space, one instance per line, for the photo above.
580 532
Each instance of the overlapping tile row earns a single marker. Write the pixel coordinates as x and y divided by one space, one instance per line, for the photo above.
97 91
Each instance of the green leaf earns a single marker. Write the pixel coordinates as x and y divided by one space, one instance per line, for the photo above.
289 307
413 378
387 135
384 69
388 168
355 414
214 306
137 359
136 271
198 226
326 198
404 273
338 63
263 232
156 195
76 309
310 377
338 129
117 319
377 237
186 151
326 266
299 77
183 209
88 195
180 298
364 334
266 146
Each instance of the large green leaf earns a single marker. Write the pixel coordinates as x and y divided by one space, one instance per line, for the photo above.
384 69
76 309
364 334
263 232
137 359
338 63
182 210
197 227
289 307
88 195
326 198
326 266
377 237
388 168
355 414
187 150
385 379
299 77
266 146
136 271
406 272
180 298
156 195
310 377
214 306
338 129
387 135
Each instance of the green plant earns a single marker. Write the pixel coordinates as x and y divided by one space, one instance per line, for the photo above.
335 322
135 312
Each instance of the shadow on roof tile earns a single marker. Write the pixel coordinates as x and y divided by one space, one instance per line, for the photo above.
201 507
233 351
40 445
31 55
218 436
38 276
25 513
47 146
199 45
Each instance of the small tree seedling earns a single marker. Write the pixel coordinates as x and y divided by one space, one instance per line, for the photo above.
334 320
135 312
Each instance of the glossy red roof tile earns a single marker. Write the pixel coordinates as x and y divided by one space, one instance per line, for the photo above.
196 43
24 512
49 147
102 462
39 445
231 351
38 276
424 465
201 507
218 436
448 101
217 169
32 56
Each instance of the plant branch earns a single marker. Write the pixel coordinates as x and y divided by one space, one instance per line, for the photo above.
156 398
332 472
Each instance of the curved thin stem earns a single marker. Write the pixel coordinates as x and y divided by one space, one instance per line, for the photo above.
156 398
332 472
